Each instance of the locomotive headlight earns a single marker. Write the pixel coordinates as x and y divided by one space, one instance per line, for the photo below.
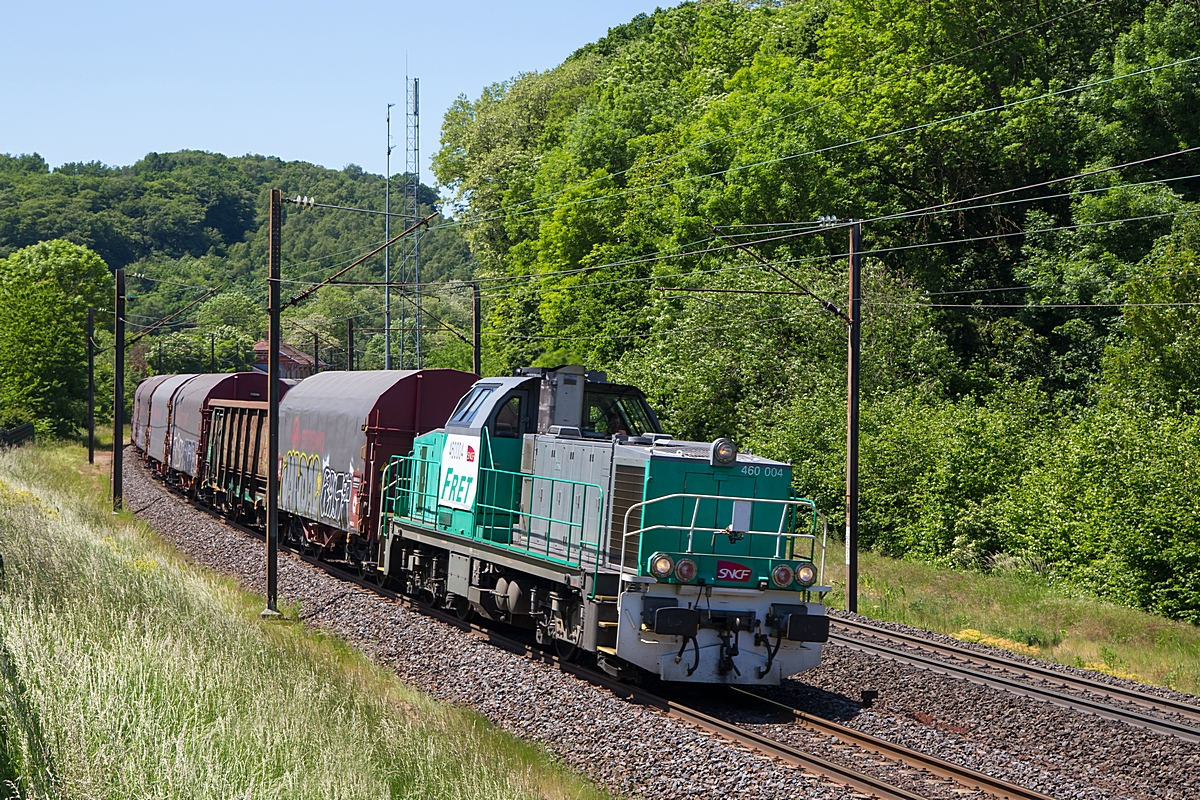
661 566
724 452
782 575
806 575
685 570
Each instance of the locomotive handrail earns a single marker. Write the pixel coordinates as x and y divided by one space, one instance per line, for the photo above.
779 535
422 502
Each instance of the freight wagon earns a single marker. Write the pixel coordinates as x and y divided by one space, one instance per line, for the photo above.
337 430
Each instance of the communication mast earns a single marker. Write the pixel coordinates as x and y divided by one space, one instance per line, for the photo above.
410 263
387 235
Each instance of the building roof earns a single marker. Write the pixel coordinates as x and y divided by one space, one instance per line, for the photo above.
286 351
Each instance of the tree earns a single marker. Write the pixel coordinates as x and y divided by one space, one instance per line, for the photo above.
1158 360
233 310
45 291
42 362
82 276
219 347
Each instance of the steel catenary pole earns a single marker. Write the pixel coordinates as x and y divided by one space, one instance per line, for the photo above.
91 417
273 307
852 387
477 356
118 390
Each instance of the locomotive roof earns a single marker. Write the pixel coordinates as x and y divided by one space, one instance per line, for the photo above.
531 382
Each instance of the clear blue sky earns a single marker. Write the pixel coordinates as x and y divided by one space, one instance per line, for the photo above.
302 80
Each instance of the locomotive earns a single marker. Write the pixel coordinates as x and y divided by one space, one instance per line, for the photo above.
550 500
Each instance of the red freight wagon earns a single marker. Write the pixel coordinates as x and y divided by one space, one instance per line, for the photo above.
187 433
337 430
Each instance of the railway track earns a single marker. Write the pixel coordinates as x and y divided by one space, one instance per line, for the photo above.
861 782
968 665
965 777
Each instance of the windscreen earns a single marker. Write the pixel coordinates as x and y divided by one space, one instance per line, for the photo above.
608 414
469 406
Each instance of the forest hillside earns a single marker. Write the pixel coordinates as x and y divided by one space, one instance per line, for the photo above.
1027 178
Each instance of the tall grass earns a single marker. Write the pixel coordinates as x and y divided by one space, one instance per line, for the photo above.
125 673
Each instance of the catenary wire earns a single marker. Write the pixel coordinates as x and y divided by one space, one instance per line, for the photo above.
945 207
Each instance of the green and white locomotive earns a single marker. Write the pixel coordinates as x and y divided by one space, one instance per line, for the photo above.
552 500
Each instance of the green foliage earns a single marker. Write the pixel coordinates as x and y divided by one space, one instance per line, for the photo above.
590 193
1158 361
42 367
217 348
233 310
45 291
81 275
1112 508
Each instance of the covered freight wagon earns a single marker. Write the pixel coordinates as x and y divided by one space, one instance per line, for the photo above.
160 417
188 429
337 430
139 423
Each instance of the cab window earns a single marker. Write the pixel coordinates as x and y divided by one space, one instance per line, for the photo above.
607 415
507 422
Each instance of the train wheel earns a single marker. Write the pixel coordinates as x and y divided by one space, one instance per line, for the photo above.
462 608
566 651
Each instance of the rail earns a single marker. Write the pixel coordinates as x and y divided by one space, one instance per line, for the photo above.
785 536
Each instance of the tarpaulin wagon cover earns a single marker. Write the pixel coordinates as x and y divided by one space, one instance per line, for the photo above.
160 416
139 423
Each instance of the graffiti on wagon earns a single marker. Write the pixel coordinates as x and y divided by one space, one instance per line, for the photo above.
311 487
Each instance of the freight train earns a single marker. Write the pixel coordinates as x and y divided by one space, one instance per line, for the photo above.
550 500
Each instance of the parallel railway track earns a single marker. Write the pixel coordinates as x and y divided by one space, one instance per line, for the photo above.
969 660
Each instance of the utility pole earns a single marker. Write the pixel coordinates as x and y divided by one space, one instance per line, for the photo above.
160 358
387 236
350 344
852 384
91 337
477 320
212 352
316 354
118 390
273 307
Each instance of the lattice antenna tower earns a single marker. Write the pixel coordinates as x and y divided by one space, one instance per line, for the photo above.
410 334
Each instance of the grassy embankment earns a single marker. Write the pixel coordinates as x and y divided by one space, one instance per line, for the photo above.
126 672
1018 610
